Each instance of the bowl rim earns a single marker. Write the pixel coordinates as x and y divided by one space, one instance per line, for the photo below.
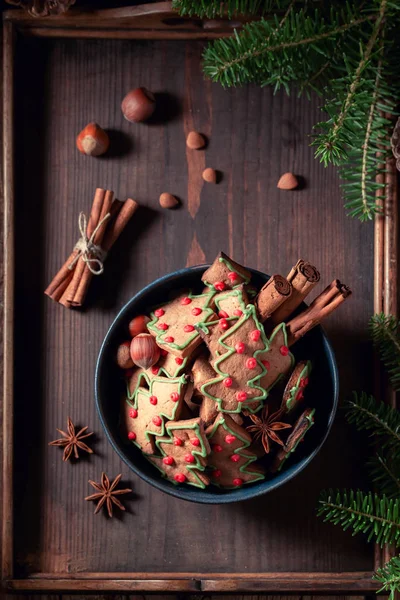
244 493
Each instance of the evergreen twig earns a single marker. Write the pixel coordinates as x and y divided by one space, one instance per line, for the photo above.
389 576
385 473
385 331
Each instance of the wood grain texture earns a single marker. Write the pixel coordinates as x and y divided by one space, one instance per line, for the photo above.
254 137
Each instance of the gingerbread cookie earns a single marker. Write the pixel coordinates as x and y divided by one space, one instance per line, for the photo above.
183 452
278 360
298 381
173 324
239 369
302 425
225 274
149 409
230 459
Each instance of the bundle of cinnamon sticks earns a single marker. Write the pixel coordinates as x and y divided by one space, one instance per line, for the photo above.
107 219
280 297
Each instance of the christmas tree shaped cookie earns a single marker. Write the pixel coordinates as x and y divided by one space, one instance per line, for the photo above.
225 274
174 324
183 452
146 413
295 388
230 459
239 368
168 365
278 360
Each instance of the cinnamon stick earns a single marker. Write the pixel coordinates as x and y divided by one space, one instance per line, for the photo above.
332 296
77 293
61 279
303 277
275 292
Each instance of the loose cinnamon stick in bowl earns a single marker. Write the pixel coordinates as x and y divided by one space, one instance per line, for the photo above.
303 277
332 297
273 294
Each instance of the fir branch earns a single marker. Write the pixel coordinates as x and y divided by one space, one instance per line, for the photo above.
389 577
378 418
385 331
385 473
210 9
377 517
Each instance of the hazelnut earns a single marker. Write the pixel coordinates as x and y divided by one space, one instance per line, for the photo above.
138 105
210 175
123 356
144 350
195 141
92 140
138 325
287 181
168 200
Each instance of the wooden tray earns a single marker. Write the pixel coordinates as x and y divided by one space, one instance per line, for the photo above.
52 87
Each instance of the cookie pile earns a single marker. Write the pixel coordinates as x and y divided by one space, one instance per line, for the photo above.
225 402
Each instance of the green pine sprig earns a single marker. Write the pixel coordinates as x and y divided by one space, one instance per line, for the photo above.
231 8
377 517
378 418
389 577
385 331
385 474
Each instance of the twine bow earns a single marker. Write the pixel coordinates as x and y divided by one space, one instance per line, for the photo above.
87 249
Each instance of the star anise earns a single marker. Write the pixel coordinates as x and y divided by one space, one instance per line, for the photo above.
106 493
266 428
72 440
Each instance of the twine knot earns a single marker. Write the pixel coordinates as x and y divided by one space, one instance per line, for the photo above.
91 254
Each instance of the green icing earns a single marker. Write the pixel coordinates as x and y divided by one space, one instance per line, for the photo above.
243 469
310 419
206 312
281 326
250 312
191 467
232 268
293 391
171 416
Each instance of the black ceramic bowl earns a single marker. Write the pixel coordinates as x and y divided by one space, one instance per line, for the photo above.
322 394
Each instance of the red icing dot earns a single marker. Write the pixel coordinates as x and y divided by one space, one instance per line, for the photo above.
196 311
157 420
241 396
251 363
133 413
223 324
189 458
168 460
195 441
217 448
222 315
162 326
235 458
186 300
219 286
232 276
237 312
178 441
174 396
299 395
180 478
169 339
227 382
155 370
153 400
164 352
178 360
240 347
266 364
255 335
230 438
284 350
217 473
304 382
131 436
159 312
237 481
188 328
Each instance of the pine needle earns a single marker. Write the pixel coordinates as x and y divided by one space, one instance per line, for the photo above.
385 331
389 577
377 517
231 8
385 474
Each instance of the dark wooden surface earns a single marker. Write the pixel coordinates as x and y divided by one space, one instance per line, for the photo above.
254 137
